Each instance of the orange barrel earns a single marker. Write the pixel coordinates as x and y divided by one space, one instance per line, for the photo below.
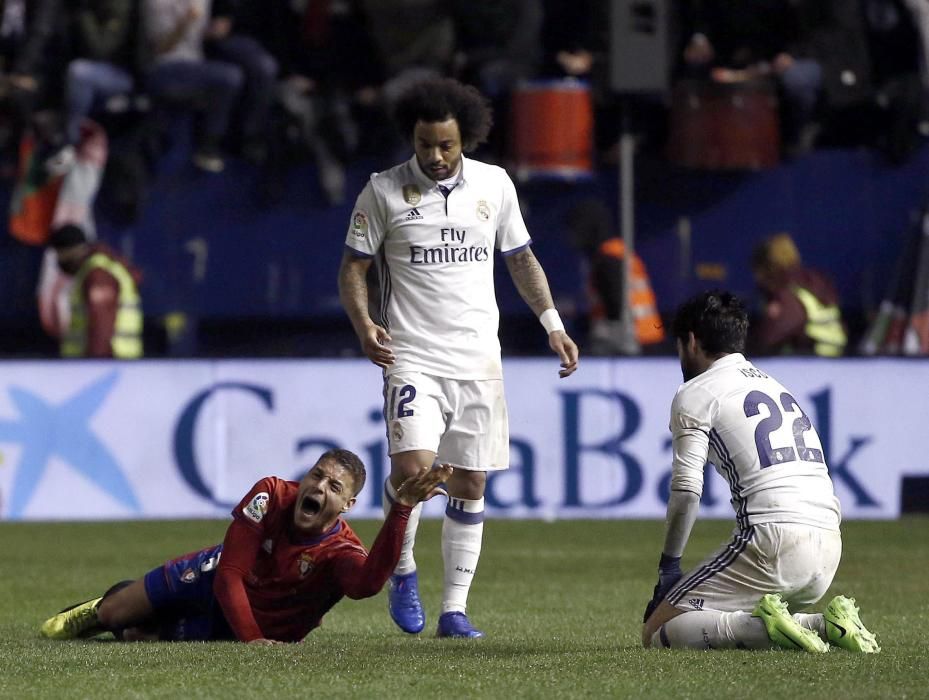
724 126
552 130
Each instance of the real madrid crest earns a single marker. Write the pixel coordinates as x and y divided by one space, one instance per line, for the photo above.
397 431
483 210
412 195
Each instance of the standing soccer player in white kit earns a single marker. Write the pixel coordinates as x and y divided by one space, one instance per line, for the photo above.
786 545
432 225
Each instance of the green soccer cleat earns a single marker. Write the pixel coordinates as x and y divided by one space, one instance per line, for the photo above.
77 621
785 631
845 629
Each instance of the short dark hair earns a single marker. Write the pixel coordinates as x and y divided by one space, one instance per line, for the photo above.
717 319
439 99
67 235
349 461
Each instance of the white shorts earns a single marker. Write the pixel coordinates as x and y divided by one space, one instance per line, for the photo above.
463 421
797 561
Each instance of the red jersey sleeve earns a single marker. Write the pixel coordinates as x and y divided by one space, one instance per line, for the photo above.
240 550
360 576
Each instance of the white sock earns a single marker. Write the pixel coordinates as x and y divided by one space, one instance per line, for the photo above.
813 621
406 564
713 629
462 532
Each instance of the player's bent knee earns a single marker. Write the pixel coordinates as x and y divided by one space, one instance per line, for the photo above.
403 465
107 613
467 484
125 606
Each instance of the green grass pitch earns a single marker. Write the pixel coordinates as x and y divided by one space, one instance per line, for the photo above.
561 604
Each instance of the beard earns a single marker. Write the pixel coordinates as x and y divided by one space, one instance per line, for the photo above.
688 370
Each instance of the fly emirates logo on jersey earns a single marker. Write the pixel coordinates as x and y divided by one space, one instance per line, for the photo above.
452 248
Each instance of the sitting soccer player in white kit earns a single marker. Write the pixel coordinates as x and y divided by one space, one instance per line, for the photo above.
786 545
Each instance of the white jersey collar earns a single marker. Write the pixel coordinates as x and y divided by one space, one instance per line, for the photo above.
733 358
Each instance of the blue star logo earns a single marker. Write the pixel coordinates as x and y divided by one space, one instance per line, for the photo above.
45 431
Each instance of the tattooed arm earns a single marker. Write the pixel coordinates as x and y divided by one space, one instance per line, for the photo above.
353 293
532 285
530 280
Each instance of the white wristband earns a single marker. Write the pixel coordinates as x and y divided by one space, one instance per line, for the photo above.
551 321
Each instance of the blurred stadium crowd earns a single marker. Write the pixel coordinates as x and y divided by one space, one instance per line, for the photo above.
97 89
328 69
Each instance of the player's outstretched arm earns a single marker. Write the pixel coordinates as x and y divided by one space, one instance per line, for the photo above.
424 485
532 285
362 577
353 293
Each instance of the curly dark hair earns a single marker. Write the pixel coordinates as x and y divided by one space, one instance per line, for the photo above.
717 319
349 461
439 99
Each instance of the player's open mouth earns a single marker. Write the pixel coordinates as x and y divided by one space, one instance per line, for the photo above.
310 506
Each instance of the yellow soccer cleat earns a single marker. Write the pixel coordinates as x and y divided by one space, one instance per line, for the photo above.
785 631
71 623
845 629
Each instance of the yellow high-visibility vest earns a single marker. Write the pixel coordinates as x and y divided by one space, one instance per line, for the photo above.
823 324
127 336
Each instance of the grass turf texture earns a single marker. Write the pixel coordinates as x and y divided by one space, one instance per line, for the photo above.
561 604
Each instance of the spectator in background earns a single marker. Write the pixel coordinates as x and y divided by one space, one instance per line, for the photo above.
576 44
174 32
833 34
573 33
106 311
231 37
104 39
414 40
497 44
326 57
589 223
732 41
800 312
26 31
52 190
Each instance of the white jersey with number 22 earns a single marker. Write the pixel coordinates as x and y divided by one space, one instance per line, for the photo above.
760 441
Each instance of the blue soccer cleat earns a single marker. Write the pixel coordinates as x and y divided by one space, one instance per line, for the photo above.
457 625
403 603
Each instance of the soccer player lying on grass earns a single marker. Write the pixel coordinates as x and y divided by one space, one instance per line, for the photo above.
287 558
786 545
